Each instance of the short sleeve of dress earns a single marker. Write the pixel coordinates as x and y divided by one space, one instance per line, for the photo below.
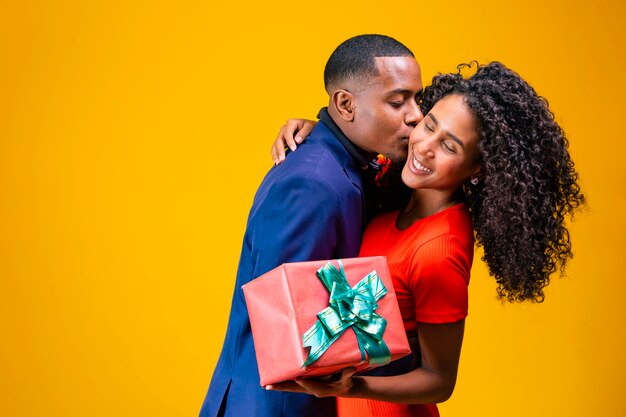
440 280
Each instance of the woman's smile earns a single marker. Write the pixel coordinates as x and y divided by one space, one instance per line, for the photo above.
418 168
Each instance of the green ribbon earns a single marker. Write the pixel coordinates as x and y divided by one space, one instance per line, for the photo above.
349 307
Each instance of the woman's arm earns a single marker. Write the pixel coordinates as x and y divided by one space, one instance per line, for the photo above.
432 382
301 128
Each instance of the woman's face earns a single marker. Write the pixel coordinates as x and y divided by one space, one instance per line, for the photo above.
443 148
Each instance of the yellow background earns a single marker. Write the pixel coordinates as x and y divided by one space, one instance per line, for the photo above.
133 135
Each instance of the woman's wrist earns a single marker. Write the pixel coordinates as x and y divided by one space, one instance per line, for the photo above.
358 387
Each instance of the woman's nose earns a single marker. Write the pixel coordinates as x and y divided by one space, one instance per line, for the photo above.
424 147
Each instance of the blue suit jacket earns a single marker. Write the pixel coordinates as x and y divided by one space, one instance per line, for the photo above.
308 208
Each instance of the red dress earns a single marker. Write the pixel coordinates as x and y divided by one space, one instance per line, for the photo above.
430 264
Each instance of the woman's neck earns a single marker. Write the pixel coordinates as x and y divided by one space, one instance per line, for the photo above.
424 203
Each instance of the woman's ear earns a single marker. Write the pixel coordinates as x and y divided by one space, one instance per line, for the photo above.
343 101
476 175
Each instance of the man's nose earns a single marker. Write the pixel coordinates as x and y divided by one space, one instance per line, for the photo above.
414 115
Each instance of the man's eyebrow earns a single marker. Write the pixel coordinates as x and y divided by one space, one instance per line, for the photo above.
404 91
448 134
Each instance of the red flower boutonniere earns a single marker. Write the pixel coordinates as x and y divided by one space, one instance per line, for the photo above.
384 163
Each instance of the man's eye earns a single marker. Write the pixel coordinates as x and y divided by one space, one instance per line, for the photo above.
428 127
396 103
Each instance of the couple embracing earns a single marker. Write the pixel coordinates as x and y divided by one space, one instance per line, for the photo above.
475 160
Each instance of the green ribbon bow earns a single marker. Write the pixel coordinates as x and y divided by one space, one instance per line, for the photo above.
349 307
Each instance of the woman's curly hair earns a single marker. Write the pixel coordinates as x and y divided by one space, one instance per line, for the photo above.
527 183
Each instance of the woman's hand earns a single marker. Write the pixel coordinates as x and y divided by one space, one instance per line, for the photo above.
298 127
319 387
432 382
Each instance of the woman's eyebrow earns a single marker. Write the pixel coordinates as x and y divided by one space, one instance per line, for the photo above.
450 135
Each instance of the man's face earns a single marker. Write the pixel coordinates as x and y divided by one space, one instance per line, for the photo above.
385 107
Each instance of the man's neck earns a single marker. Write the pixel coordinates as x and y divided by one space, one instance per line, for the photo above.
361 157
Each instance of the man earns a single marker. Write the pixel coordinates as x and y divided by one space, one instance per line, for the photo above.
311 207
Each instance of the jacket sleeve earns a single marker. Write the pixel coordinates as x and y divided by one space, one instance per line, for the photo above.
299 220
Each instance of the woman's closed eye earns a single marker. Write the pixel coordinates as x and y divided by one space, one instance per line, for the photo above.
448 147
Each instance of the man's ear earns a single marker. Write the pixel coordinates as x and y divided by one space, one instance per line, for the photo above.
343 101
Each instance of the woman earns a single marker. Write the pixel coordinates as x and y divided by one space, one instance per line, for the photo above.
488 160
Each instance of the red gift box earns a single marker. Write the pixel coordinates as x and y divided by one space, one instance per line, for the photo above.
284 303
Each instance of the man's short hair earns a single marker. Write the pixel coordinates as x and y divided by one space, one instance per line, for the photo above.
355 57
